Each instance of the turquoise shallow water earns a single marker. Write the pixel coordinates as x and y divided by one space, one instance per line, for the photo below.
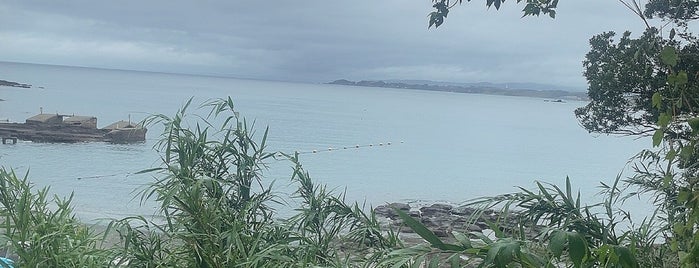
444 146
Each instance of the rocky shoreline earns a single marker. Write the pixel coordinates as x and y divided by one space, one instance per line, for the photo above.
442 219
14 84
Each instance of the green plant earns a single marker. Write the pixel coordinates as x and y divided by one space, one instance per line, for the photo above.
332 229
213 217
549 222
217 209
42 236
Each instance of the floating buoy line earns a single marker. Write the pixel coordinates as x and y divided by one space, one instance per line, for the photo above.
126 174
278 156
341 148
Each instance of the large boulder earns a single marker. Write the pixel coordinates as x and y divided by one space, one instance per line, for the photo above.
436 210
388 210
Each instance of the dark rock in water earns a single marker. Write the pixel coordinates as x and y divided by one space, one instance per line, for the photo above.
436 210
408 230
442 219
442 232
463 211
482 224
474 228
438 225
434 222
389 212
400 206
14 84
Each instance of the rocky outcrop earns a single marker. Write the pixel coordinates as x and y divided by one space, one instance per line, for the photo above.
442 219
388 211
14 84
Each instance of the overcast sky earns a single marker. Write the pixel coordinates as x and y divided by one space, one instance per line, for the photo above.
311 40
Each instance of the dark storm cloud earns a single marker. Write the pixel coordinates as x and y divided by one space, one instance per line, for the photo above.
313 41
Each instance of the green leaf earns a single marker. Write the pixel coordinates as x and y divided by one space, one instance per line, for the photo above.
419 228
148 170
683 196
686 152
672 79
552 14
657 137
507 253
557 242
462 239
454 261
626 258
434 262
671 154
664 120
492 254
669 56
682 78
666 180
657 100
433 19
418 262
577 248
694 123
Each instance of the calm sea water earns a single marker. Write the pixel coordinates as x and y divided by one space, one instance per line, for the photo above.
445 146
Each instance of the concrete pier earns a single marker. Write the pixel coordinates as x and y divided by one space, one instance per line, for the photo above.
70 129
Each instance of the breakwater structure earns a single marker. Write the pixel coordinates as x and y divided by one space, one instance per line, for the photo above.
61 128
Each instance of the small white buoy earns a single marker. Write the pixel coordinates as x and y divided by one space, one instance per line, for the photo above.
401 141
356 146
330 149
370 145
314 151
381 144
388 143
344 147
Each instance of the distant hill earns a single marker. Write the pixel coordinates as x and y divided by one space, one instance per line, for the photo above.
508 85
505 89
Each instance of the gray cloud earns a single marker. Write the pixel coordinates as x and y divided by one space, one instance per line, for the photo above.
313 41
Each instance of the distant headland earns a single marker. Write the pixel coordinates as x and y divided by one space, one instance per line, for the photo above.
475 88
14 84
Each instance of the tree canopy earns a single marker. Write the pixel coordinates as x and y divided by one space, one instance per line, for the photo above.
531 8
642 86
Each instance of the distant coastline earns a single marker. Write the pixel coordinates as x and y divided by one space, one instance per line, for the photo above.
489 89
14 84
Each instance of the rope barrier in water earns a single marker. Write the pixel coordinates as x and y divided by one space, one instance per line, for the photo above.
351 147
314 151
105 176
